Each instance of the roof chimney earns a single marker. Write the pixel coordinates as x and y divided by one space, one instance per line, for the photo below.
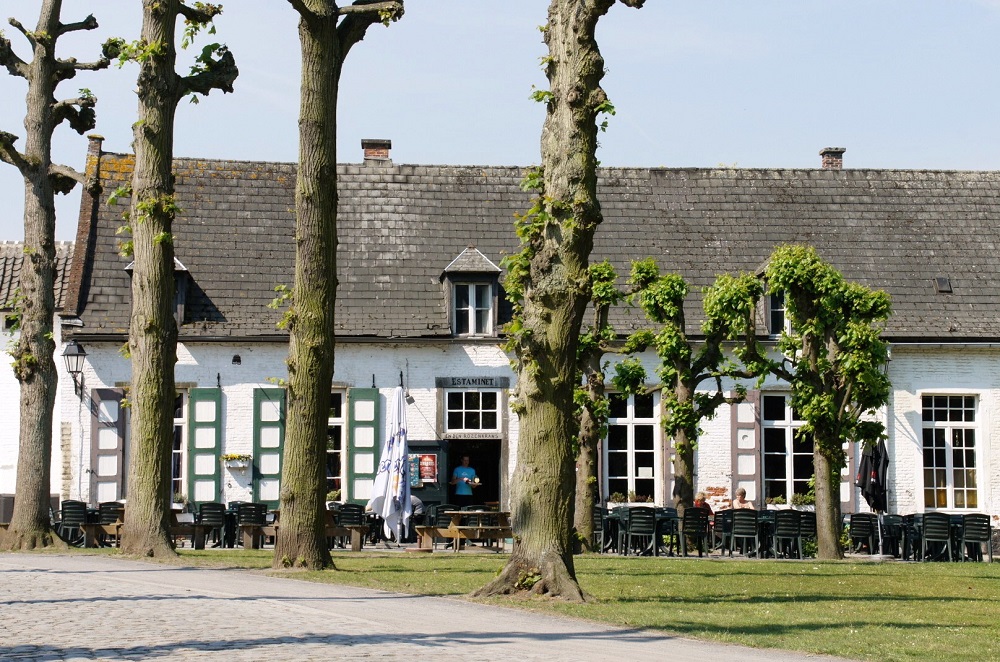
376 151
833 157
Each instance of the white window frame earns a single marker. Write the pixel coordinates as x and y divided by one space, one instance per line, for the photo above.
181 424
470 313
467 409
946 431
334 422
790 424
631 422
776 305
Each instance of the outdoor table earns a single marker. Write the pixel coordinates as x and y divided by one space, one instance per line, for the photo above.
459 532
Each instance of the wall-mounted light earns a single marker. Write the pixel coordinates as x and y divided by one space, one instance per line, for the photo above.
74 356
237 360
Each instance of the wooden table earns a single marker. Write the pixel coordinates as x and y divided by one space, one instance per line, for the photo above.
459 532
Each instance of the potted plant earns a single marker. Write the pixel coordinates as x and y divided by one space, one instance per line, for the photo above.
236 460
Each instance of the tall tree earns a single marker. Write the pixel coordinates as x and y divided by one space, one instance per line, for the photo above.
152 329
547 281
327 33
34 365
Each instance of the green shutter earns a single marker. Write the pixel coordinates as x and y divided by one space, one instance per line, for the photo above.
363 447
204 474
268 444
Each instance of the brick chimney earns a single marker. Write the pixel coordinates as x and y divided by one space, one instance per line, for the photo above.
376 151
833 157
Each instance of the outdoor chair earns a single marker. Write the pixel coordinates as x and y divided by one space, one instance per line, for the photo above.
936 529
862 528
976 533
109 513
666 521
71 515
724 528
251 518
694 527
807 526
911 536
744 526
213 515
642 527
787 533
892 534
598 522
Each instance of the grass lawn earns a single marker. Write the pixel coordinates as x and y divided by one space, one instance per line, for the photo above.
860 610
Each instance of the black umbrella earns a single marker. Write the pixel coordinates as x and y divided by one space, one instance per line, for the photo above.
872 475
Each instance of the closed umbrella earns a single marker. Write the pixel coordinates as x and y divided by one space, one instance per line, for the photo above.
872 477
391 491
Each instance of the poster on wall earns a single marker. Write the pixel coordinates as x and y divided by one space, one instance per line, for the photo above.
425 470
413 467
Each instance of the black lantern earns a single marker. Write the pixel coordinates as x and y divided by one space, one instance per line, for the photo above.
74 356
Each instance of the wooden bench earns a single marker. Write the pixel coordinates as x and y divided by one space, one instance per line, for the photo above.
459 533
92 532
197 531
356 532
253 534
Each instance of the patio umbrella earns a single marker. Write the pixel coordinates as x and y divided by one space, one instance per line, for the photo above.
872 475
391 491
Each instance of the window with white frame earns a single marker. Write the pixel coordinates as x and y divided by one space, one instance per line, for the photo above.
177 463
335 423
949 444
473 411
632 447
777 320
473 309
788 454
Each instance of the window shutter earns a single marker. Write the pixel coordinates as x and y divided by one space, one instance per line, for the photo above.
107 445
204 474
363 443
746 451
268 444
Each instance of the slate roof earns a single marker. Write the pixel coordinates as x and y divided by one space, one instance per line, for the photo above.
401 226
11 261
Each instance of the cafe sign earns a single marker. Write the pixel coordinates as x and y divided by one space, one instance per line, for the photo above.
472 382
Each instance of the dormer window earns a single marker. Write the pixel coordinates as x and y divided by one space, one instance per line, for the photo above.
473 312
777 320
182 277
472 285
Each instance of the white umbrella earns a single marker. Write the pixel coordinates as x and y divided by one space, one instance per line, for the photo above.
391 491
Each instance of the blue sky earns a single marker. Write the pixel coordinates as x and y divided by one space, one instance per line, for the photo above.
899 83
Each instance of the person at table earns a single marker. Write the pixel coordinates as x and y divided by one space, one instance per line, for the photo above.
701 501
464 478
740 502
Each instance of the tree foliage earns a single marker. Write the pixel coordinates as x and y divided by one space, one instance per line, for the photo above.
32 351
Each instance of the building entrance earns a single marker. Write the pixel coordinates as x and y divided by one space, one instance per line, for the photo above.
484 457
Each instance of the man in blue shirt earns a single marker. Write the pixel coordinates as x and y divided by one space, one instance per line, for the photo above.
464 479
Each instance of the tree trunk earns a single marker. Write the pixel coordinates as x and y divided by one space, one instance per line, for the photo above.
153 331
683 492
554 297
33 364
301 539
828 519
589 440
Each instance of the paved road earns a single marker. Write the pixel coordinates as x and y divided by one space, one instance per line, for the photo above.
71 607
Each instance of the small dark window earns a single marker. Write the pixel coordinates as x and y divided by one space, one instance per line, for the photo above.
943 285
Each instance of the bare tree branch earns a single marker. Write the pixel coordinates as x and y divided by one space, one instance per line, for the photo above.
20 28
89 23
218 74
15 65
200 16
359 17
86 66
79 112
8 154
64 178
300 7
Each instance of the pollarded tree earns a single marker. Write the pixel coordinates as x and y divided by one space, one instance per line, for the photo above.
832 357
34 365
686 365
153 330
548 282
327 33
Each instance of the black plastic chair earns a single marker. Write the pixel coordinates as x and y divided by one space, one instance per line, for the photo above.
911 536
724 528
936 529
108 513
642 527
666 521
252 516
599 516
213 515
788 533
744 527
892 534
71 515
694 526
863 528
976 533
807 525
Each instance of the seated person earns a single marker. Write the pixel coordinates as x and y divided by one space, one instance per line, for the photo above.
701 501
741 500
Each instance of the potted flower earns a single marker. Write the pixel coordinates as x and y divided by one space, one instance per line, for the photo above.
236 460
